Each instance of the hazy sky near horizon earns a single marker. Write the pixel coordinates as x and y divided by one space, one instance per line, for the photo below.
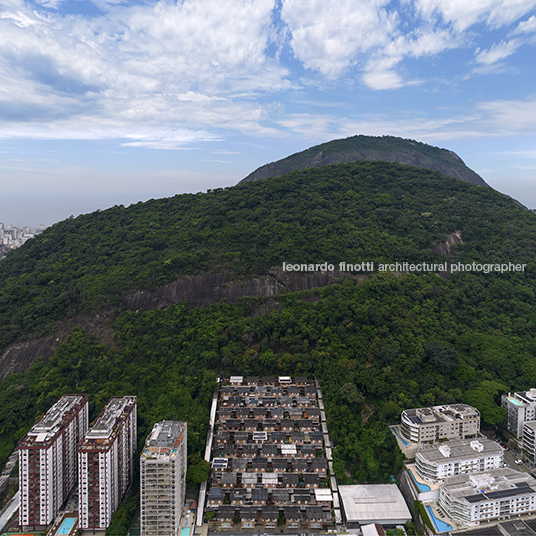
107 102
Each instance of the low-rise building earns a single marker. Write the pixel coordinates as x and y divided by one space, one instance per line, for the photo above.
293 516
270 515
441 460
248 517
499 493
429 425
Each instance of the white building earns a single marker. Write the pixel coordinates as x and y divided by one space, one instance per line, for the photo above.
429 425
496 494
163 479
106 463
521 408
436 462
529 439
47 460
374 503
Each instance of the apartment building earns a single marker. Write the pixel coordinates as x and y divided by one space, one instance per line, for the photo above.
529 439
163 479
496 494
429 425
521 408
435 463
47 460
106 462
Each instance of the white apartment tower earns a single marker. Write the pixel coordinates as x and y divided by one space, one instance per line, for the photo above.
106 462
47 460
521 408
163 479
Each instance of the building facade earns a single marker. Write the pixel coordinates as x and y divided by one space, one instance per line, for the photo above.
47 460
435 463
497 494
529 439
163 479
429 425
106 462
521 408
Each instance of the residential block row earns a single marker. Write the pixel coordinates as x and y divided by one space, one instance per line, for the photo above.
269 461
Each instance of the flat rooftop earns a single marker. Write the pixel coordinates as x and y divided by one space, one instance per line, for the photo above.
105 428
459 449
374 503
164 440
55 418
437 414
492 485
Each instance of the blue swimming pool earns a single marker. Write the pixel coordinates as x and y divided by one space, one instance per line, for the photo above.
440 526
398 435
421 487
67 525
186 531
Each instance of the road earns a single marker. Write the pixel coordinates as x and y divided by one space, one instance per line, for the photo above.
7 513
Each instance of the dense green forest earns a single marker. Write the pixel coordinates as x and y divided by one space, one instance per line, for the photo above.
377 346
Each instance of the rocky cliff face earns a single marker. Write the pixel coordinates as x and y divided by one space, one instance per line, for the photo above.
197 291
386 149
206 289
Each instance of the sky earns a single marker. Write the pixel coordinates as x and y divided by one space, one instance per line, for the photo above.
106 102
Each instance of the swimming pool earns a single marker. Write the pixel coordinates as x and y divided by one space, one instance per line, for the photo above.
404 442
440 526
421 487
186 531
67 525
515 402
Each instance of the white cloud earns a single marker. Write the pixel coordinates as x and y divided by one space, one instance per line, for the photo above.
382 80
497 52
526 26
464 13
328 35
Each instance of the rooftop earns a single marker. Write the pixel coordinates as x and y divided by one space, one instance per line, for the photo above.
373 503
55 418
164 440
102 433
459 449
453 412
492 485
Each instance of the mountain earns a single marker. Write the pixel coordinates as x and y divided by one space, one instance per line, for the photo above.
160 298
385 148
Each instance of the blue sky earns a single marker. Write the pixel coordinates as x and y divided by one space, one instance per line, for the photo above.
109 102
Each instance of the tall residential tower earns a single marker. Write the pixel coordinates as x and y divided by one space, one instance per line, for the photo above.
106 463
163 479
47 460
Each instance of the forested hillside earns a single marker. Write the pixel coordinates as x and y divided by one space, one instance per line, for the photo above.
377 346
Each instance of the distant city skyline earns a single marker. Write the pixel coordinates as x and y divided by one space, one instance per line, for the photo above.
107 102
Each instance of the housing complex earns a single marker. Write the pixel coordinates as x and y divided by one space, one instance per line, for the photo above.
163 479
495 494
48 460
269 461
432 424
106 462
439 461
461 480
